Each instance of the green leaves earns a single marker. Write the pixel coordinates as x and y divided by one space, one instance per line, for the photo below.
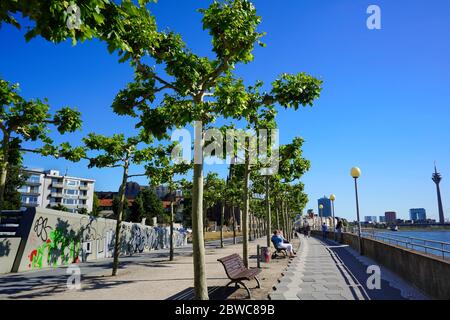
232 25
292 164
23 120
231 97
295 90
67 120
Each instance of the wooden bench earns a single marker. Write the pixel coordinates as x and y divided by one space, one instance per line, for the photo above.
237 272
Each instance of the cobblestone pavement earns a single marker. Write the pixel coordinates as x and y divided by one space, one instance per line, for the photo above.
330 271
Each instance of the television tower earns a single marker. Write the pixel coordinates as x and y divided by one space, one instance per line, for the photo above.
437 179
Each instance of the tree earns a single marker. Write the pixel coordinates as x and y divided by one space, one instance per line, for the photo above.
95 206
213 194
24 120
186 189
57 21
14 180
152 206
161 171
137 209
115 151
200 89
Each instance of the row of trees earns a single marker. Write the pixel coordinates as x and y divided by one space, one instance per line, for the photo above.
185 88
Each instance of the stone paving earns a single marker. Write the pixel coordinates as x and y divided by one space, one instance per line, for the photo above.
320 273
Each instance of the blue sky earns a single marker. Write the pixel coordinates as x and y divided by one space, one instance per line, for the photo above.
385 106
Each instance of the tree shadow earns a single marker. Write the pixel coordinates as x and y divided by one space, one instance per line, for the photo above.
214 293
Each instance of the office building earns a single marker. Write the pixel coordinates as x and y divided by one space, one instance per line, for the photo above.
47 189
390 216
418 214
326 211
382 219
372 219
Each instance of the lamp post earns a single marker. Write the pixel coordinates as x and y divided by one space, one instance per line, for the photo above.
356 173
320 215
332 198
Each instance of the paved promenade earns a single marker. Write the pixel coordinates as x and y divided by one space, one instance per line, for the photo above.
144 276
325 270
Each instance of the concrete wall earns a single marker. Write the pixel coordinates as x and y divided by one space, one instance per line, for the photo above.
429 274
52 238
8 251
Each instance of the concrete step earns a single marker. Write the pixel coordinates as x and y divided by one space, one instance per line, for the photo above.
9 228
12 220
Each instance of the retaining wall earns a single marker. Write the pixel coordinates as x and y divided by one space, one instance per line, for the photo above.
50 238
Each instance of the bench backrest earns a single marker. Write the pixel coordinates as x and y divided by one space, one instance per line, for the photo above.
233 265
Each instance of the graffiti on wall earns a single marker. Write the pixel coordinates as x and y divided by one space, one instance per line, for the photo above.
41 229
137 238
59 248
80 238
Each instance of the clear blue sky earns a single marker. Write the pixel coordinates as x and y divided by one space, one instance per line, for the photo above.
385 106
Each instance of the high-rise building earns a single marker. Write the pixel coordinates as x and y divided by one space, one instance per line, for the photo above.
390 216
382 219
326 211
370 219
418 214
47 189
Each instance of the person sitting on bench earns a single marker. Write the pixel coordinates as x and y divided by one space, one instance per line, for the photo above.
277 239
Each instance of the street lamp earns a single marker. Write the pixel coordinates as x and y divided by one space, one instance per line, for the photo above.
356 173
332 198
320 214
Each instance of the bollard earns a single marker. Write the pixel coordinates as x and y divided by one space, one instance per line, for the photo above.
258 264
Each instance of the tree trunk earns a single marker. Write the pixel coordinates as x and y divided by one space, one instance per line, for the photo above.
117 239
283 218
269 218
204 222
244 221
277 213
4 169
250 227
287 222
171 228
198 246
234 224
222 220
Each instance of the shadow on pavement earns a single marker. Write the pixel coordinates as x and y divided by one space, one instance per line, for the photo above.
215 293
359 271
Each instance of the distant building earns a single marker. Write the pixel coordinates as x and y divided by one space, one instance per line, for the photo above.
310 213
370 219
390 216
48 188
106 207
382 219
162 191
132 190
418 214
326 211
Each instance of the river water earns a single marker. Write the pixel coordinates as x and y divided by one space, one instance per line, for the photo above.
406 238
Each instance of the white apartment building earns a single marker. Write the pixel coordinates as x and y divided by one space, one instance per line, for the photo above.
47 189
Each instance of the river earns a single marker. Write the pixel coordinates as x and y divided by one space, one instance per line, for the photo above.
404 238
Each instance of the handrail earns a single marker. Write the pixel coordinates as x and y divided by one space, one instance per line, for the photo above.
412 244
421 239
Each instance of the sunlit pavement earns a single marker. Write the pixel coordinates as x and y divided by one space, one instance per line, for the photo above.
326 270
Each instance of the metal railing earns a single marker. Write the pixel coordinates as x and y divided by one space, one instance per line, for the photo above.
431 247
